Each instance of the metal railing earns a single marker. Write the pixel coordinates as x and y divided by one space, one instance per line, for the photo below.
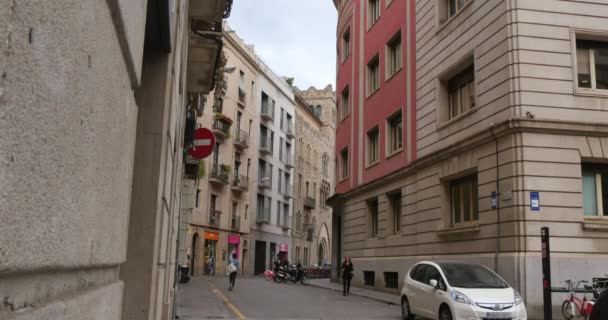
285 222
220 172
242 97
235 223
266 145
263 215
288 160
242 138
214 218
265 180
310 202
240 181
267 111
287 190
221 126
291 133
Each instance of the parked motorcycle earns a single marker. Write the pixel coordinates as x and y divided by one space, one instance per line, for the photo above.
294 274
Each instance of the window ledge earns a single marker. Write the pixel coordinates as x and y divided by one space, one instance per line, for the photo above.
344 118
591 92
393 74
369 95
344 179
442 25
474 228
394 153
595 224
372 164
458 118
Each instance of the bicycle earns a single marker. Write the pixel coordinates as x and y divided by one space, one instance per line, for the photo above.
574 305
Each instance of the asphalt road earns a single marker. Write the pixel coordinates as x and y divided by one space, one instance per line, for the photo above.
256 298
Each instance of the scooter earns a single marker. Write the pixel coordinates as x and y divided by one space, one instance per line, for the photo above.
296 274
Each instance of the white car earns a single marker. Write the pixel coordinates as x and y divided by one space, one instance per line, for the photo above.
458 291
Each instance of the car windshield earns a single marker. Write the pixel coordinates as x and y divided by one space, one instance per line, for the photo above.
461 275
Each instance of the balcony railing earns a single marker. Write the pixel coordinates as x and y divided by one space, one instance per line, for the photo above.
242 98
285 222
242 139
267 111
287 190
266 145
221 128
240 183
235 223
288 160
214 218
265 181
220 173
263 215
291 133
310 202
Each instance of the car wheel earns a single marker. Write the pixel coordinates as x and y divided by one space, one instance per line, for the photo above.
406 311
445 313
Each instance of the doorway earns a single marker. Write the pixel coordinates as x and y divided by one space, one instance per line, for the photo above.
193 255
260 257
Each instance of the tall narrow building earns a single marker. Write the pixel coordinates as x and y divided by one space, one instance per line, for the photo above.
506 134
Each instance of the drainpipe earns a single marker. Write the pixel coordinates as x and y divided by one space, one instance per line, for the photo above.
497 201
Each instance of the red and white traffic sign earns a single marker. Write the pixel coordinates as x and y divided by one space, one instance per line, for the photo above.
204 140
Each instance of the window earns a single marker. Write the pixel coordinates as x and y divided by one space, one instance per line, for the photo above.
344 163
395 133
318 111
463 198
346 44
595 181
369 278
394 55
419 273
372 209
391 280
592 64
395 206
461 92
198 195
345 103
373 10
433 274
372 146
282 119
373 75
455 5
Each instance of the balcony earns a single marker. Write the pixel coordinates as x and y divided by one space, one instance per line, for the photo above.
241 140
310 202
267 112
220 174
265 181
235 223
263 215
214 218
242 102
191 168
240 183
285 223
266 145
287 191
290 132
288 161
211 10
221 127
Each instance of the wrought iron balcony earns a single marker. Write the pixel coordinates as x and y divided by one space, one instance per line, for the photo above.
263 215
220 174
240 183
266 145
310 202
267 111
221 127
241 140
235 223
214 218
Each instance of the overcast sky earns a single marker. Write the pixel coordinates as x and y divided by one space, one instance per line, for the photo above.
294 38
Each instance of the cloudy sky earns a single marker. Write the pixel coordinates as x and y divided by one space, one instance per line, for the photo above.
295 38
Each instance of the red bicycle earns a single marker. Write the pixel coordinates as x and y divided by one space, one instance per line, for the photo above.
574 305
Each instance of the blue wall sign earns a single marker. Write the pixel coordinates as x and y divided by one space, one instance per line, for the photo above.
535 201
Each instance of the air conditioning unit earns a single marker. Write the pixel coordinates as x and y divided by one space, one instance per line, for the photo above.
208 10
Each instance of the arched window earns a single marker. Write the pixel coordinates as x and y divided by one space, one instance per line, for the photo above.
318 110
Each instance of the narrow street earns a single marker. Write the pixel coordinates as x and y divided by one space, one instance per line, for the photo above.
256 298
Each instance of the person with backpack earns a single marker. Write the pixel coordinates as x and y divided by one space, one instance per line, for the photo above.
233 268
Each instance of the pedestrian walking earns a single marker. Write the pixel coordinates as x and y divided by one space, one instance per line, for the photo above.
233 268
600 308
347 275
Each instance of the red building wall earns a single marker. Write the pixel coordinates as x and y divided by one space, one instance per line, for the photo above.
398 92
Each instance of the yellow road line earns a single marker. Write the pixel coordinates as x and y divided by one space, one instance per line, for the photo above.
227 302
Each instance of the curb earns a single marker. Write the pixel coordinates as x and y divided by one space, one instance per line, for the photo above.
357 294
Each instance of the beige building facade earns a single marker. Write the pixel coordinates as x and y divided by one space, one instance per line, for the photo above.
93 100
222 213
511 100
315 176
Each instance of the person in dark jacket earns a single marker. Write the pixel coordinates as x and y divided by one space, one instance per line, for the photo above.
347 275
600 308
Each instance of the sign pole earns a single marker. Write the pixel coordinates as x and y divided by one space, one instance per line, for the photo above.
546 263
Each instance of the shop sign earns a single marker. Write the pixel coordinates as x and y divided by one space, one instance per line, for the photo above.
234 239
212 236
283 247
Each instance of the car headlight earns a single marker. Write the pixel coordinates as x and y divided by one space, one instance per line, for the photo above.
518 299
460 297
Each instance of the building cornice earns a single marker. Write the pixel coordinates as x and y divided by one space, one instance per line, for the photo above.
511 126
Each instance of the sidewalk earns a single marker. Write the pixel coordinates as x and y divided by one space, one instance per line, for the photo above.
357 291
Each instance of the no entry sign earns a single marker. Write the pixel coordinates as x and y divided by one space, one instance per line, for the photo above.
204 140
